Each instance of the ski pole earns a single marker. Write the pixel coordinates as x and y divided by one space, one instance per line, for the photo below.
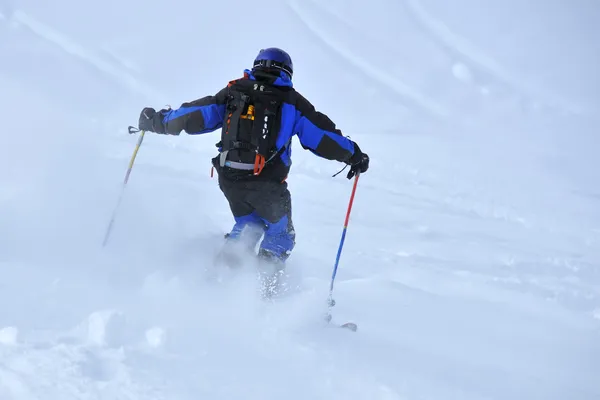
137 147
330 301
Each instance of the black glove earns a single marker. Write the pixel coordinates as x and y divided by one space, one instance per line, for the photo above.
151 121
359 162
146 122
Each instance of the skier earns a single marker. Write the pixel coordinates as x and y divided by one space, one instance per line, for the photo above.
258 115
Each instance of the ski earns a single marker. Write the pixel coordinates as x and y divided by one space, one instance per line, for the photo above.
349 325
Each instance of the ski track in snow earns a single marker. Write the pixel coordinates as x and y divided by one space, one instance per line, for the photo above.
477 58
70 46
310 15
458 295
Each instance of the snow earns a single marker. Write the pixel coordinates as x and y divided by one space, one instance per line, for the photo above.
155 336
8 335
462 72
472 258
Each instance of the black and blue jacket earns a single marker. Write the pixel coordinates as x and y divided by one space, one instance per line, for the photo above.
316 132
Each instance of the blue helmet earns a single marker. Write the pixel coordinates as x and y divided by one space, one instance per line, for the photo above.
274 58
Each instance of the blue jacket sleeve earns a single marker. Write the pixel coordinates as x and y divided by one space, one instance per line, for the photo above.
199 116
319 134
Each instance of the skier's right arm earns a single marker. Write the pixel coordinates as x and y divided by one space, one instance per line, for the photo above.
196 117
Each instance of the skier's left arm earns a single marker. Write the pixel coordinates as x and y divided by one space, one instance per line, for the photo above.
196 117
319 134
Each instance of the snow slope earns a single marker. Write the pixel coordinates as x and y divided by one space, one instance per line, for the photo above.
472 261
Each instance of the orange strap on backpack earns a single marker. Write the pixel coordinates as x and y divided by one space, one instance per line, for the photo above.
259 164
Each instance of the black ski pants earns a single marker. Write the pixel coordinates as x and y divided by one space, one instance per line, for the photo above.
266 206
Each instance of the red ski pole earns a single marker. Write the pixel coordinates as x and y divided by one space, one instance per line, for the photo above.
331 302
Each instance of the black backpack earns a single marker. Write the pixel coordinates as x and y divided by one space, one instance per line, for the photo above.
251 125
